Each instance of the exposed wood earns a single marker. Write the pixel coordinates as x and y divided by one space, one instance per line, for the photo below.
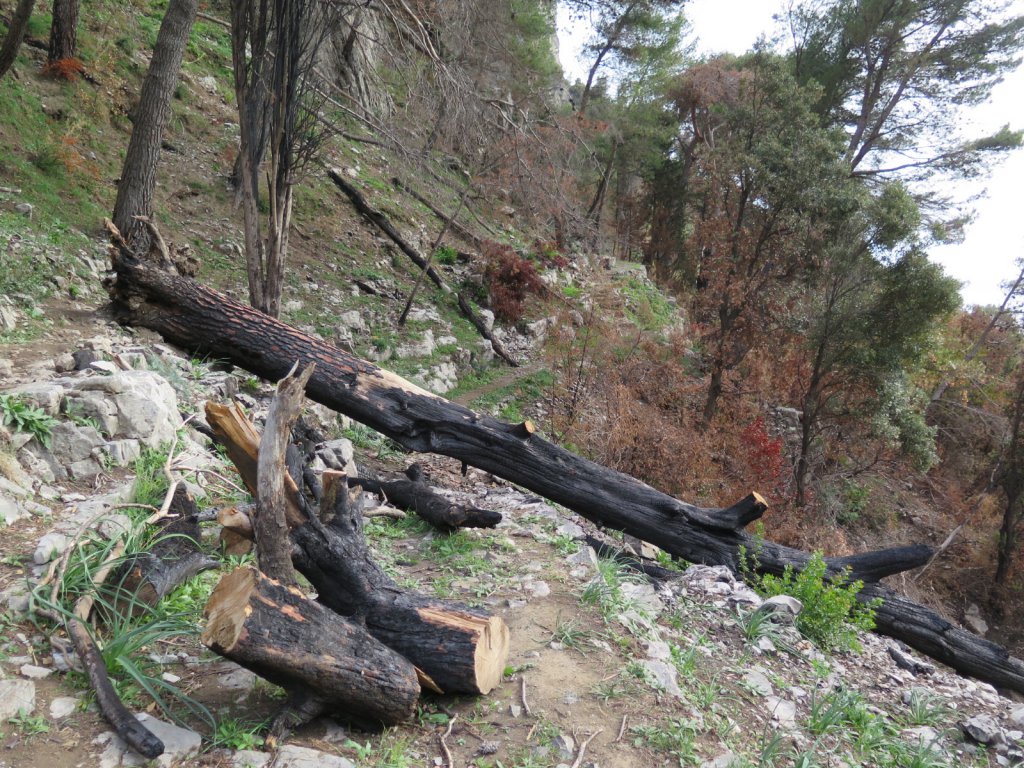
460 650
200 319
316 655
416 496
273 551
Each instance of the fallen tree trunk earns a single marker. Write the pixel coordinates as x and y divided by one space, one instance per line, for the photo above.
322 660
416 496
200 319
457 649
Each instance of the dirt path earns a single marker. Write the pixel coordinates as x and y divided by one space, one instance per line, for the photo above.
506 379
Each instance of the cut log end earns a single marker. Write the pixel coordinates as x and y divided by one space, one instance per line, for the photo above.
489 636
228 609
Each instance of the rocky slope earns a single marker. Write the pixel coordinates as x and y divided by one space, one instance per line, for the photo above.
608 667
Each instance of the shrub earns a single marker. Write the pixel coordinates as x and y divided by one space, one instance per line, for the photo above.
832 615
69 69
509 280
446 255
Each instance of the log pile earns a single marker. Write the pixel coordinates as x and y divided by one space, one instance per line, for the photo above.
392 640
202 320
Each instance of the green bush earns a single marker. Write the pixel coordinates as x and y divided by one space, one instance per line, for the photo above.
446 255
832 615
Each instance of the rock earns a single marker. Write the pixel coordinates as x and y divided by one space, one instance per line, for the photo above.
338 454
782 711
664 676
25 209
84 358
63 706
64 363
352 320
783 609
6 368
145 403
291 756
924 736
488 318
179 744
538 588
757 681
983 729
33 672
910 663
11 511
1017 717
484 351
565 745
725 760
208 83
45 395
16 696
423 348
973 620
70 443
49 547
123 452
250 758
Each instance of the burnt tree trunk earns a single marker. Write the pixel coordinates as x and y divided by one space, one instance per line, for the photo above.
310 651
457 649
200 319
138 174
416 496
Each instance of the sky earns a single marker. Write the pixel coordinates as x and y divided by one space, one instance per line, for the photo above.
995 238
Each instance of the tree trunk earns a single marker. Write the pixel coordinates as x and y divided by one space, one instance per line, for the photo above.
458 649
307 649
63 31
201 319
416 496
138 175
15 34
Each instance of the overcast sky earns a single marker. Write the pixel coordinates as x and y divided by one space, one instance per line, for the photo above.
996 237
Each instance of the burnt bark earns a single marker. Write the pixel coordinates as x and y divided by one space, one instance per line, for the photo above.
322 660
458 650
138 174
414 495
200 319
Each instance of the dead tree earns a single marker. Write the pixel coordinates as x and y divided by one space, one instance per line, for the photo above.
198 318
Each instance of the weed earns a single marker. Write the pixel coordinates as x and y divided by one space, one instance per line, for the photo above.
30 725
17 412
678 737
831 615
151 483
234 733
925 708
446 255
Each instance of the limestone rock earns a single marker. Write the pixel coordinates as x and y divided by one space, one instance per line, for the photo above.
291 756
16 696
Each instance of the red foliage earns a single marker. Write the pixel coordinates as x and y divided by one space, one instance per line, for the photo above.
65 69
764 457
509 278
548 253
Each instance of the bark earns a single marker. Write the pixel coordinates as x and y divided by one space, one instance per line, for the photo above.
15 34
200 319
63 31
174 557
458 650
416 496
138 175
134 733
322 660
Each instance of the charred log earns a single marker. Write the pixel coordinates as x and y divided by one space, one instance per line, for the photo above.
414 495
200 319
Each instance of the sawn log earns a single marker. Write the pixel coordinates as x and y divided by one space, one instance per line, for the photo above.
200 319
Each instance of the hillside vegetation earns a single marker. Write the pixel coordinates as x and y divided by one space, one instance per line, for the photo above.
714 272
